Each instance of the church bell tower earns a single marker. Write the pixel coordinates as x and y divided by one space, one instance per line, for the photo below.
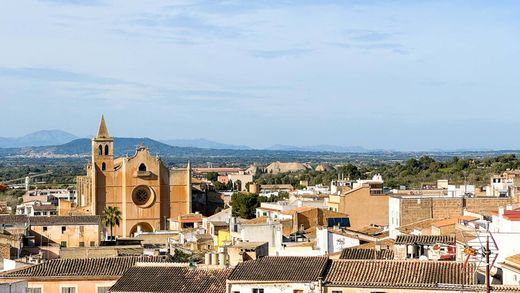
102 166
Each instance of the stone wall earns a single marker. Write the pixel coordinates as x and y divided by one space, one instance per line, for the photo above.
416 209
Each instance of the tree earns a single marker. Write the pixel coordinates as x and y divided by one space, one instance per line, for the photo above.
212 176
244 204
111 217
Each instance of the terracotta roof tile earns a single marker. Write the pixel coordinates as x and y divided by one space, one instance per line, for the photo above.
49 220
172 279
281 268
111 266
360 253
398 273
425 239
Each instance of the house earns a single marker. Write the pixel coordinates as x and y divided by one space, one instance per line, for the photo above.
48 234
398 276
269 274
427 247
75 275
172 277
365 197
332 240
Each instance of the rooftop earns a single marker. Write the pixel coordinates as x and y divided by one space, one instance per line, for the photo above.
49 220
85 267
281 269
398 273
366 253
172 279
425 239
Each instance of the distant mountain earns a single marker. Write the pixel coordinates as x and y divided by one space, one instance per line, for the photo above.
204 144
38 138
319 148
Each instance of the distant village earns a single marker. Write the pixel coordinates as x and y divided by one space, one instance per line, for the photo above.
134 225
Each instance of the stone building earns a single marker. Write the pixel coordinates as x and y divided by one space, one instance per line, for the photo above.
146 192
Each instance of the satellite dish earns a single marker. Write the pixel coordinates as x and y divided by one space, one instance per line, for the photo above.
436 247
423 257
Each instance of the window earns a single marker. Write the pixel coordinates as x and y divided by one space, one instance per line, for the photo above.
63 229
336 291
102 289
44 228
100 150
297 291
103 166
256 290
81 244
142 167
92 243
68 289
63 244
34 290
106 150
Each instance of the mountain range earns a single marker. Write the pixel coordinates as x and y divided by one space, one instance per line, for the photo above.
58 137
38 138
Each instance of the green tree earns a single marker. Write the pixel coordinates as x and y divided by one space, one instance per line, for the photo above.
244 204
111 217
212 176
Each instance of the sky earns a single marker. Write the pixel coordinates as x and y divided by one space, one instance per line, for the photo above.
403 75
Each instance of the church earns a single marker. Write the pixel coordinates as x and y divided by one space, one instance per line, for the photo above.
146 192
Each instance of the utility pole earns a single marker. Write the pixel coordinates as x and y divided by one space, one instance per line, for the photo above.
488 283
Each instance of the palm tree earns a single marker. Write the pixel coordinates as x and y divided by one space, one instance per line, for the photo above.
110 218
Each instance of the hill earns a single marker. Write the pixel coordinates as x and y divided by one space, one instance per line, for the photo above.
38 138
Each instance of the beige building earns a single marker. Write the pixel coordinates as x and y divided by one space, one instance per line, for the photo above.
146 192
364 205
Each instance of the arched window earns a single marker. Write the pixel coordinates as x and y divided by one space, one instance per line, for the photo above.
106 150
100 150
103 166
142 167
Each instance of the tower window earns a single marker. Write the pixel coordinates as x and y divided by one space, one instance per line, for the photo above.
100 150
106 150
103 166
142 167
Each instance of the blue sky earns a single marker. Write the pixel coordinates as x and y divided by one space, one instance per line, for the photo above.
379 74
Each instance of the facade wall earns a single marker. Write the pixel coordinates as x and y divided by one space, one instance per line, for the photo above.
113 182
511 275
273 287
72 235
82 285
415 209
385 290
363 208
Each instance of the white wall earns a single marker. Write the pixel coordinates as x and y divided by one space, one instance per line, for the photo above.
394 220
510 276
273 288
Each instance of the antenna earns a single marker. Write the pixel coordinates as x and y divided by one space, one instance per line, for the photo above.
482 249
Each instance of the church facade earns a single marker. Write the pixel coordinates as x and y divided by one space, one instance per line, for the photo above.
146 192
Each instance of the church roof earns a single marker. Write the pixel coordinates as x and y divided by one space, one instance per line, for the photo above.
102 130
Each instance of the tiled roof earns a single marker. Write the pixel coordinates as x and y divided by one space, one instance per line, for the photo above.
425 239
111 266
13 219
360 253
64 220
172 279
399 273
49 220
281 268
